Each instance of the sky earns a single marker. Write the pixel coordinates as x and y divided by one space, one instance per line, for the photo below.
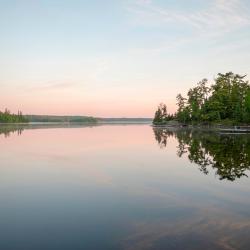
116 58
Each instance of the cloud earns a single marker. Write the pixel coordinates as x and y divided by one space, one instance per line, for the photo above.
215 228
218 15
182 26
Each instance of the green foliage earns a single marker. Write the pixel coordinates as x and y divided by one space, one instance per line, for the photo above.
59 119
227 99
161 115
7 117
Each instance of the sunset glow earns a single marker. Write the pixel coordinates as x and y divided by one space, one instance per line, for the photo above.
115 58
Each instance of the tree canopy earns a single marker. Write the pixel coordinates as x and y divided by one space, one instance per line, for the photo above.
7 117
161 115
226 100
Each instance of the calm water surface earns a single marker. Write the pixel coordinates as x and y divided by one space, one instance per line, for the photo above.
123 187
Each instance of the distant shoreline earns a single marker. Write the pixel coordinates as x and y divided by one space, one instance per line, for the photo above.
46 119
80 123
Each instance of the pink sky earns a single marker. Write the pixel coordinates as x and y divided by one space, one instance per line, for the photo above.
71 102
74 58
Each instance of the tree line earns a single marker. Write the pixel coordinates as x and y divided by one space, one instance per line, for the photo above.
227 100
61 119
8 117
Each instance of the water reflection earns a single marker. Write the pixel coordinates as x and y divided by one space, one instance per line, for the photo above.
8 130
110 187
227 154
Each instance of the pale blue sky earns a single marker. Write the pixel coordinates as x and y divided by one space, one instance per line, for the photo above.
116 58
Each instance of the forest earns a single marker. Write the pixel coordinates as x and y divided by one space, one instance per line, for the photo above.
8 117
61 119
226 101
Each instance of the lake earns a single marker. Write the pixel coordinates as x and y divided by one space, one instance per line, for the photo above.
123 187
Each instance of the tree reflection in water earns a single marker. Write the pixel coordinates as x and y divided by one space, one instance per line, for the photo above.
7 130
228 154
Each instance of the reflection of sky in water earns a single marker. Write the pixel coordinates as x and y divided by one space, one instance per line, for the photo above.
111 187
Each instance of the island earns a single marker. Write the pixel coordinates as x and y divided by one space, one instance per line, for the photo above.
225 102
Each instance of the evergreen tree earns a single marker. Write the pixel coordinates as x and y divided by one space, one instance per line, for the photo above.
228 99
